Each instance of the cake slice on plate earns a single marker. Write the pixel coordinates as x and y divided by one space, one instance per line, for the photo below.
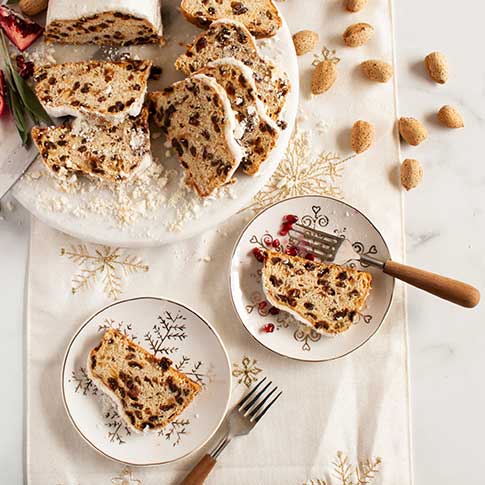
228 38
327 297
258 132
200 125
148 392
112 152
261 17
112 90
104 22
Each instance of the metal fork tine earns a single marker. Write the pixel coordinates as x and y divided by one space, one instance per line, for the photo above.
247 396
248 406
263 412
261 404
322 239
319 233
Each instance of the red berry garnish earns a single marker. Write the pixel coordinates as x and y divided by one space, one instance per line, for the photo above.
283 232
310 256
274 311
25 68
291 250
290 219
276 243
3 95
22 32
268 328
258 254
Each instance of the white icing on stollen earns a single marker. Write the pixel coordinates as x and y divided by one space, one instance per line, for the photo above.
149 10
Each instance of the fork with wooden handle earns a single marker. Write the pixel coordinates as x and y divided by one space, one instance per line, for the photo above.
241 421
326 246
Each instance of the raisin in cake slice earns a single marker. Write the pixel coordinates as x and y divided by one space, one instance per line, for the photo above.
228 38
112 90
104 150
327 297
197 118
261 17
104 22
258 132
148 392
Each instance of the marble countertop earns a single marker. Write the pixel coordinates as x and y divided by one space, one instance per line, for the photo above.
445 220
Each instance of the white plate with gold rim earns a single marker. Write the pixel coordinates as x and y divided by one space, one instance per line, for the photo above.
289 337
165 328
85 213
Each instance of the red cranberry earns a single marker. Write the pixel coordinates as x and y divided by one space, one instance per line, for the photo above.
291 250
258 254
25 68
276 243
310 256
262 305
274 311
3 95
285 229
290 219
268 328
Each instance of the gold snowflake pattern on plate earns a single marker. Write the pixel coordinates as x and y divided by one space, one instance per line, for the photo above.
299 173
125 478
246 372
109 266
348 474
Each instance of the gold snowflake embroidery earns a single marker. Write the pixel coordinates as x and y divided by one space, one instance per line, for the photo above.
125 478
348 474
103 263
246 372
301 174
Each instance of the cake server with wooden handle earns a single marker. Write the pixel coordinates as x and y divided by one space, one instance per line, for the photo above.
240 422
327 247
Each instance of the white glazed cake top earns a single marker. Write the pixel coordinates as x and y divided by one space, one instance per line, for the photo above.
68 9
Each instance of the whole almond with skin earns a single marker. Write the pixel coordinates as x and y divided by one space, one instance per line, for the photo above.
357 35
437 66
33 7
450 117
376 70
412 131
362 136
324 75
411 173
355 5
305 41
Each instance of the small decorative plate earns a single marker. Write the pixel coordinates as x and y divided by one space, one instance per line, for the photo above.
289 337
165 328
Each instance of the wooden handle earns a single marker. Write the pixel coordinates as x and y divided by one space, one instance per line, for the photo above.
199 473
446 288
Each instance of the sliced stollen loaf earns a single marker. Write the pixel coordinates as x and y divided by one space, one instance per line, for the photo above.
112 90
258 132
148 392
104 22
261 17
112 152
197 117
327 297
228 38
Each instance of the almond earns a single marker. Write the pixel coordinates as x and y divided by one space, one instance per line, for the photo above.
358 34
411 173
305 41
378 71
324 76
437 66
362 136
450 117
355 5
412 131
33 7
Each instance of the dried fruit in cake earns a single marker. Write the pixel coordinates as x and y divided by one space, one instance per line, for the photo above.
257 131
3 94
197 117
148 391
112 152
104 22
112 90
227 38
21 32
327 297
261 17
